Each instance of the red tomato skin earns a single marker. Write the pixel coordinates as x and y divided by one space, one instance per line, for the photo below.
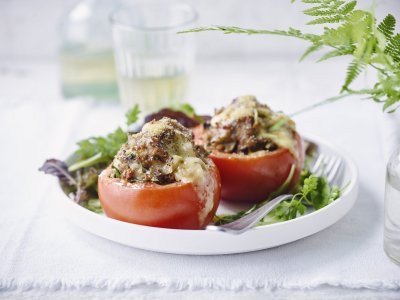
175 205
252 178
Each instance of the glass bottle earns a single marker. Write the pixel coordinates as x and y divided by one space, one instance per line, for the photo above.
392 208
85 51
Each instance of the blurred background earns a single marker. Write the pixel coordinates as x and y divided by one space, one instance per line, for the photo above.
29 29
33 36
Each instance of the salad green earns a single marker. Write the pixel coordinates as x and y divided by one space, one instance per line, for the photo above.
312 192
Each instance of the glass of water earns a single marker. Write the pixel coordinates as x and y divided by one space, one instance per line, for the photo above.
153 62
392 208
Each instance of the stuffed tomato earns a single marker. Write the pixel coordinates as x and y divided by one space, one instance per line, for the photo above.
160 178
254 148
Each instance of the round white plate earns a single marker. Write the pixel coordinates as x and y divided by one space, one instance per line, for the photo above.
203 242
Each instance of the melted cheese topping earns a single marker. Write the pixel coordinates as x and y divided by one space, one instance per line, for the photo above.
193 170
275 126
243 106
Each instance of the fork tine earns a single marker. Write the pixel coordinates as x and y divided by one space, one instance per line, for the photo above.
324 166
333 176
318 163
329 167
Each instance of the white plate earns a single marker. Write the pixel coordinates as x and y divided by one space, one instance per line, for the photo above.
202 242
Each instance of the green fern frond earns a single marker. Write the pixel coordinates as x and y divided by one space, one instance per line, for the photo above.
311 49
324 9
326 20
333 11
337 52
318 1
387 26
353 70
237 30
299 34
356 34
318 12
393 48
389 103
347 8
338 37
336 4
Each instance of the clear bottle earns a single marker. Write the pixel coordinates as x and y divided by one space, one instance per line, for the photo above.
392 208
85 51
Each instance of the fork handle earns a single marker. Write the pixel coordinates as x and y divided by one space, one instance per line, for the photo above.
248 221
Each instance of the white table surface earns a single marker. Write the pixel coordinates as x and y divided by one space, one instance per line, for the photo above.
283 83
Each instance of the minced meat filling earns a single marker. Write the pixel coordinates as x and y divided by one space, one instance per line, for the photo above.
247 126
163 152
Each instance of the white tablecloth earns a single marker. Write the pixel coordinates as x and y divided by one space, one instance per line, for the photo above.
42 254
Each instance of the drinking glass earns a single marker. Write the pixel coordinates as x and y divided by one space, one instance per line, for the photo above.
153 62
392 208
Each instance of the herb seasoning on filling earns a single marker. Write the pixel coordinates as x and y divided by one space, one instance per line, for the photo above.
247 126
163 152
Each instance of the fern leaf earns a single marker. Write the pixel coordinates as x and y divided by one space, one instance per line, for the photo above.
348 7
331 8
317 12
299 34
390 103
317 1
387 26
314 38
311 49
336 53
334 5
321 10
326 20
393 48
353 70
312 1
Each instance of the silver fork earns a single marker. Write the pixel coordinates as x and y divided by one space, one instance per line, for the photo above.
329 166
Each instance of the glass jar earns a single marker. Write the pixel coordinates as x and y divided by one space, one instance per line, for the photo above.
392 208
85 51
